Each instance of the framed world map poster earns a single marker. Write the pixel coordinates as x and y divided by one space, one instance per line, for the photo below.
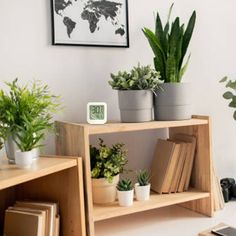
90 22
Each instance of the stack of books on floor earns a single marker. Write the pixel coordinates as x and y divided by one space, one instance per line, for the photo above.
172 164
28 218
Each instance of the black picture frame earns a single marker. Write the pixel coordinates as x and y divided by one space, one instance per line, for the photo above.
67 25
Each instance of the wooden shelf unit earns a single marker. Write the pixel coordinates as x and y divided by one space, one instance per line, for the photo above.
73 139
51 178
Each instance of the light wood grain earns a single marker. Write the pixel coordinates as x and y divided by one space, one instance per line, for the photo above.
52 179
11 175
201 177
127 127
73 140
102 212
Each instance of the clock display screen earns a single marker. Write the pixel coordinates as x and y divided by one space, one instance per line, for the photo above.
96 112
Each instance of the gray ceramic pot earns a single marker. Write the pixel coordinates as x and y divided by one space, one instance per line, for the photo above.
173 102
135 105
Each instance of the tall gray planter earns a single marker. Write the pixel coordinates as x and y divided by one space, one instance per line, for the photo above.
173 102
10 147
135 105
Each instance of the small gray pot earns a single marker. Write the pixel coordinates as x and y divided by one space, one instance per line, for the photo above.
173 102
135 105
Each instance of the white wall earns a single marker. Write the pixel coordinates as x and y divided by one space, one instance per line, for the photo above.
80 74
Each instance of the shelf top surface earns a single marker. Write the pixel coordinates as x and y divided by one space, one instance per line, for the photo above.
126 127
102 212
11 175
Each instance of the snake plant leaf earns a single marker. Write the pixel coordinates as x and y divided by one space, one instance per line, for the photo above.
160 66
225 78
160 33
188 34
228 95
171 69
153 41
184 68
174 36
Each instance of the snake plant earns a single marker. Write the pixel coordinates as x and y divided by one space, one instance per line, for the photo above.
169 44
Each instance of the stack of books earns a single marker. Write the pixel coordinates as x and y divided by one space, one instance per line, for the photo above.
28 218
172 164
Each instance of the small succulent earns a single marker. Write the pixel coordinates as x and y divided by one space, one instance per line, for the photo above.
230 95
143 177
124 185
139 78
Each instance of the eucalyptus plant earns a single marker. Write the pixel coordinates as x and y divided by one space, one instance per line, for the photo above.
139 78
124 185
26 113
231 93
169 44
106 162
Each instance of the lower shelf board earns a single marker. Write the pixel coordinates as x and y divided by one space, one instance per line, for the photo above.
102 212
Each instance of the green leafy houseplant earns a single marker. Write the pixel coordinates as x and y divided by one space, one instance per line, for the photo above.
169 44
26 113
124 185
107 162
231 93
143 177
139 78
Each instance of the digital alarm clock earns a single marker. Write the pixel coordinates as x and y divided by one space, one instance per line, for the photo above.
96 113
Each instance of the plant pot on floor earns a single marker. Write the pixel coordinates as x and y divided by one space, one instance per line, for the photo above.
126 198
135 105
24 159
103 191
173 102
142 193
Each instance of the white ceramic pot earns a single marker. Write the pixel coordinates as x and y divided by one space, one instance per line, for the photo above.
103 191
126 198
24 159
142 192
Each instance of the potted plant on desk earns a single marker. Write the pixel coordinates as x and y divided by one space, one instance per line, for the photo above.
135 92
125 192
106 165
169 44
142 188
25 115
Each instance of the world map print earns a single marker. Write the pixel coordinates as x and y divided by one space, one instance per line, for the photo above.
90 21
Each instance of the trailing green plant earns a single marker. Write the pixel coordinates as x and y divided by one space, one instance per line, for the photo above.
124 185
139 78
26 113
143 177
231 93
106 162
169 44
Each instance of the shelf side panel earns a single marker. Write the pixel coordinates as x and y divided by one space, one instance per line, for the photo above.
61 187
73 140
201 177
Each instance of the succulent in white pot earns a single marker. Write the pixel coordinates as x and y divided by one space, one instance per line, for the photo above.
106 165
142 187
125 192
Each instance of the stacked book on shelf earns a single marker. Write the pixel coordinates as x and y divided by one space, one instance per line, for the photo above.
30 218
172 164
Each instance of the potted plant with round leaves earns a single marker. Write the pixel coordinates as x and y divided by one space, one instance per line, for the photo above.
125 192
142 187
231 93
106 165
169 44
26 115
135 92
